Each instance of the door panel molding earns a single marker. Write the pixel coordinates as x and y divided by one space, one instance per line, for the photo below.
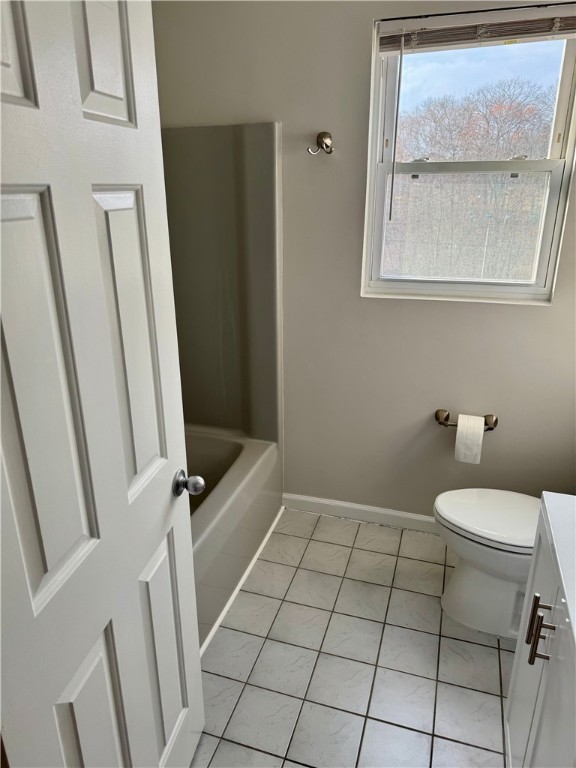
104 61
45 447
163 629
94 696
126 270
18 84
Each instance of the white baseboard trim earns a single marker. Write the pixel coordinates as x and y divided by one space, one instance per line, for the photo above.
220 618
362 512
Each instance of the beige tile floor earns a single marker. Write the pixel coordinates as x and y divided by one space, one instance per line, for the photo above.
336 654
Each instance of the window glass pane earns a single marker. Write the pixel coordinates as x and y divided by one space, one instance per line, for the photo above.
483 103
465 226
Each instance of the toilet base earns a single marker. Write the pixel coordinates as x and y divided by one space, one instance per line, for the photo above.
483 601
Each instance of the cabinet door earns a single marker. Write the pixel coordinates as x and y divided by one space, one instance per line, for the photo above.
527 679
552 739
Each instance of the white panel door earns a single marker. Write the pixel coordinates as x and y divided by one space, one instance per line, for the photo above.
100 653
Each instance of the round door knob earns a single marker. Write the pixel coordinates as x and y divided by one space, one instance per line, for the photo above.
195 485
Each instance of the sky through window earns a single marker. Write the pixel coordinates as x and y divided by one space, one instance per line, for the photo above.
456 72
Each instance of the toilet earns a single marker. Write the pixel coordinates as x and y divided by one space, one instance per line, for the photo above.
492 532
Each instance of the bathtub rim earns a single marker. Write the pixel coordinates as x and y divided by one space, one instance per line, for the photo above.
238 477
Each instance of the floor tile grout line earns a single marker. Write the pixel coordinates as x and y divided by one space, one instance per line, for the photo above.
391 623
292 695
266 637
502 700
465 743
336 542
347 658
327 573
262 751
363 581
374 621
438 664
404 557
387 622
363 549
432 735
355 616
319 652
296 602
368 704
410 557
366 717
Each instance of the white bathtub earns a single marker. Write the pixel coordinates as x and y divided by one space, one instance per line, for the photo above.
229 521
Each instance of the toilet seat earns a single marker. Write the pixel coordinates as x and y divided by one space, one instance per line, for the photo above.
499 519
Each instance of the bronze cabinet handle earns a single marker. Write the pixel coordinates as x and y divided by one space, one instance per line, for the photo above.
538 627
536 605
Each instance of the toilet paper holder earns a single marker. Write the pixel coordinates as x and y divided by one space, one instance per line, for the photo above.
443 418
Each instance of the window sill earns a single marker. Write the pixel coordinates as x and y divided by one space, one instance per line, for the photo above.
434 292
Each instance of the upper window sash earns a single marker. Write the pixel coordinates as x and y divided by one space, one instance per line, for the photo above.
389 102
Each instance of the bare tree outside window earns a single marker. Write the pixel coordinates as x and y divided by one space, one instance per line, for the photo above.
470 226
501 120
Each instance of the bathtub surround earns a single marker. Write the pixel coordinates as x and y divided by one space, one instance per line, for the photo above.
222 190
342 670
363 377
223 196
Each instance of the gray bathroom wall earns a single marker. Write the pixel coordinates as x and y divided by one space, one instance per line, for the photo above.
221 193
363 377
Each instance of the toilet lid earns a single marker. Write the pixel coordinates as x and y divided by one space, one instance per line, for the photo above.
503 517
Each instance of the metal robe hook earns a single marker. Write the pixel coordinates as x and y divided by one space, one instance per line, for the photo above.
323 141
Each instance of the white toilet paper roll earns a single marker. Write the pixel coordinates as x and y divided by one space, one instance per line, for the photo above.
469 436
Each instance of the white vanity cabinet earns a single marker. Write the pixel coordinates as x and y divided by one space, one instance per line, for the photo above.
540 714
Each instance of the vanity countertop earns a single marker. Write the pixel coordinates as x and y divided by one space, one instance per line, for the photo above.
559 512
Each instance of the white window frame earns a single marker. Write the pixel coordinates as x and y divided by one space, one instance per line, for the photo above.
380 162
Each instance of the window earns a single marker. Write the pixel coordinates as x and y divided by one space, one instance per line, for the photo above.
471 154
